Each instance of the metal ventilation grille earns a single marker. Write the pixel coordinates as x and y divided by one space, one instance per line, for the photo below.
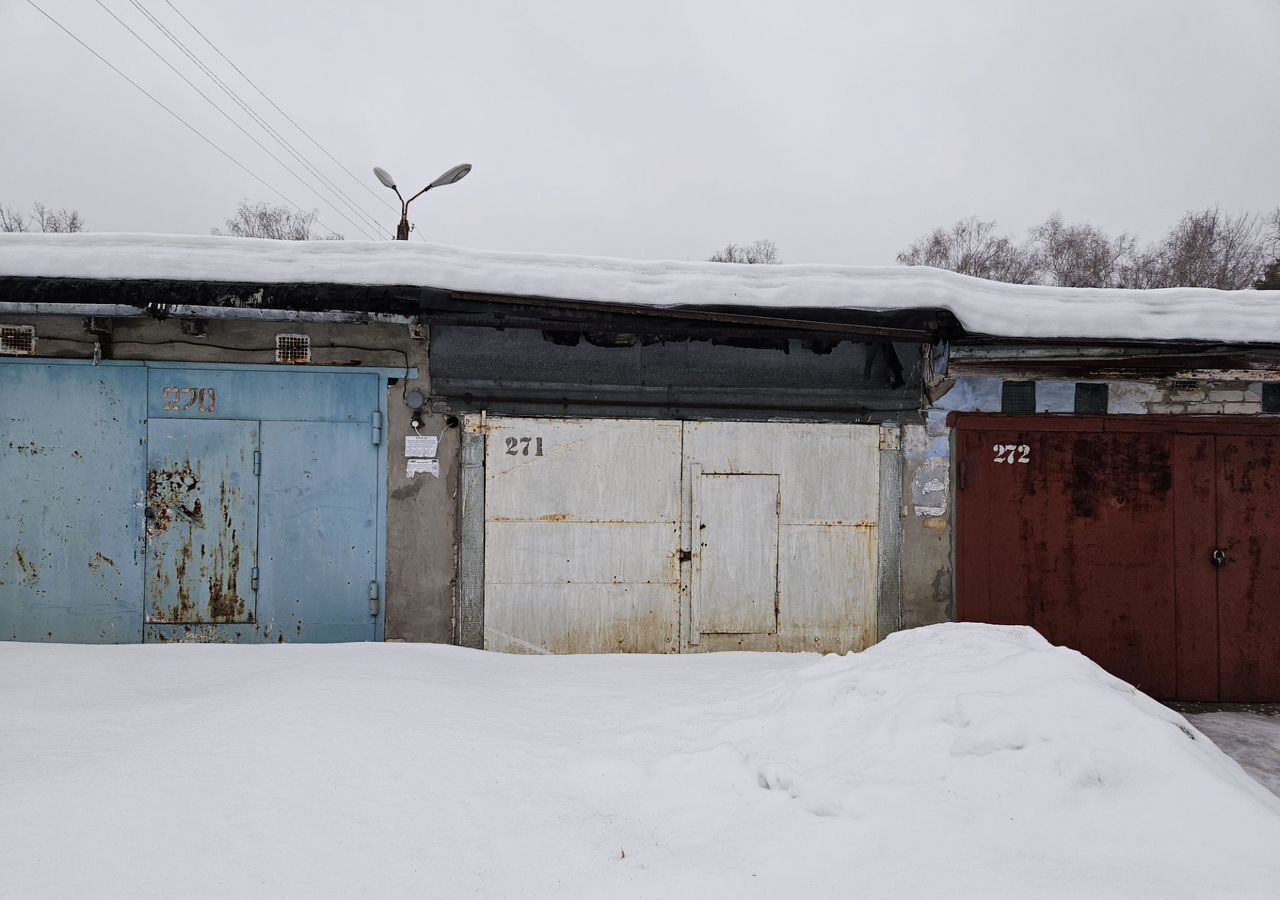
18 340
293 348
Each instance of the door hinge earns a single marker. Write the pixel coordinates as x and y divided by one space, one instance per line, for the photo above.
253 579
377 428
373 598
962 476
257 462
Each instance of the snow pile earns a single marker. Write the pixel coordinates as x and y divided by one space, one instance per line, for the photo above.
982 307
953 761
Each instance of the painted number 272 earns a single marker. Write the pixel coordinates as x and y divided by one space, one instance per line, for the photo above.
520 446
1012 453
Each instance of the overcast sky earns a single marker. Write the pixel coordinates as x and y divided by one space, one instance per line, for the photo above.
840 130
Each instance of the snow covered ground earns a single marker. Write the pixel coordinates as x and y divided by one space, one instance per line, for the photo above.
953 761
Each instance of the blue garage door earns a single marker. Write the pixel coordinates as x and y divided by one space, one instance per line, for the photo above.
72 468
163 502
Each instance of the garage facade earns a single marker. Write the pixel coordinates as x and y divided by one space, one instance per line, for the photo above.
606 535
1148 543
160 501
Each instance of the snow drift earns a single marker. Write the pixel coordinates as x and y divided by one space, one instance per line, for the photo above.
957 761
982 307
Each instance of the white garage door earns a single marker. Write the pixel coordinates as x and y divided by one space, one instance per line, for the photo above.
611 535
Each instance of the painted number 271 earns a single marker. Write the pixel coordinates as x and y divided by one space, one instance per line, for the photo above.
520 446
1012 453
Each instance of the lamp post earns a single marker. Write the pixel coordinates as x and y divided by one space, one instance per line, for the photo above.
456 174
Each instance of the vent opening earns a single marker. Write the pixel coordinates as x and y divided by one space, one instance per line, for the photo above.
1018 397
1091 399
293 348
18 340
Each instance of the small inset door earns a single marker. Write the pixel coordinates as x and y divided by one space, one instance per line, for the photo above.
319 532
201 521
734 588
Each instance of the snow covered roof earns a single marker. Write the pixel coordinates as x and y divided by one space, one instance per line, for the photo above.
981 307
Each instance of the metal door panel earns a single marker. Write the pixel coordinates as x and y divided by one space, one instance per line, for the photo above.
1077 541
1195 579
827 578
582 535
72 467
536 553
202 521
734 586
580 618
255 394
829 481
318 533
582 470
1248 497
830 473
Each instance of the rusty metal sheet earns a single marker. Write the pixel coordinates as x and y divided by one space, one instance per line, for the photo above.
1195 582
1072 533
1104 539
1248 534
201 521
71 476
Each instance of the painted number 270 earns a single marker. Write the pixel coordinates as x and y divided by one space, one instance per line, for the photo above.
1012 453
520 446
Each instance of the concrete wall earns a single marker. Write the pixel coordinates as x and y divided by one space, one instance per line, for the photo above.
421 530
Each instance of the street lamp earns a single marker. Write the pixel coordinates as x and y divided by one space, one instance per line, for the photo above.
457 173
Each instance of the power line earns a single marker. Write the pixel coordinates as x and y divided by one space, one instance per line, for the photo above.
224 113
188 125
381 198
311 169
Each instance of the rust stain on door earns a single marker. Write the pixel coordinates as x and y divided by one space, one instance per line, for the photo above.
201 510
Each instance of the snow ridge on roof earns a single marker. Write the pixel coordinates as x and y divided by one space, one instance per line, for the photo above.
982 307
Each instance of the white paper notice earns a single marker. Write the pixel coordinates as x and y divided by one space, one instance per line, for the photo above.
421 445
414 466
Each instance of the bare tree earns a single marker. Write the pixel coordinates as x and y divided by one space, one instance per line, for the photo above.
972 247
1080 255
763 251
279 223
51 221
1269 280
1207 248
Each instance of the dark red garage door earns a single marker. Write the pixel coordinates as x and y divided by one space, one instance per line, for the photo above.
1152 545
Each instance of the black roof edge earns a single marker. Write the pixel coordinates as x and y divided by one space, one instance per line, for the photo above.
427 303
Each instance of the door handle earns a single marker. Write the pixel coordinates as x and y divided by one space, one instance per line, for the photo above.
1218 557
